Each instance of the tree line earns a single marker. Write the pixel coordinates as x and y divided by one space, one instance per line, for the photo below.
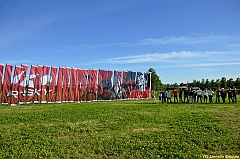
221 83
203 83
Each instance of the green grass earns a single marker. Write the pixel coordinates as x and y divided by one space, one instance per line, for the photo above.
119 129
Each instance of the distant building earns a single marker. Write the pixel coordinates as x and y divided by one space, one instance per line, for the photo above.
183 87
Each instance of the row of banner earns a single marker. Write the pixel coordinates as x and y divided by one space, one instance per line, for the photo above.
45 84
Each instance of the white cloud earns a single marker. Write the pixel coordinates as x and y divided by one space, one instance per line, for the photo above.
159 57
196 40
212 64
234 45
184 60
187 40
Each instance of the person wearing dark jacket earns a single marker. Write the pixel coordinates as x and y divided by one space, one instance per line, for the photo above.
185 92
191 94
223 95
180 94
230 95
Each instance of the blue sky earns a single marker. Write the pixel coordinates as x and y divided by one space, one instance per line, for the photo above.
181 39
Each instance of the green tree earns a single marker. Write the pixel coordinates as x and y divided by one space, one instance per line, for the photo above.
212 83
175 85
182 84
194 83
155 80
237 83
223 82
207 83
217 83
230 83
198 84
202 83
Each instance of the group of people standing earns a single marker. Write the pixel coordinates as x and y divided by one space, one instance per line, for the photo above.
189 95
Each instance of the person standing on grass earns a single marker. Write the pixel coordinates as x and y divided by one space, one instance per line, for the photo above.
205 95
185 92
180 94
210 94
190 95
199 94
153 96
169 95
230 95
194 96
175 94
166 94
218 95
163 96
235 95
160 95
223 95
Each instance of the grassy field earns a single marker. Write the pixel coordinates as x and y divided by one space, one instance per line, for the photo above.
120 129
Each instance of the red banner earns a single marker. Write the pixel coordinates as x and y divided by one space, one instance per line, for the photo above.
83 84
1 75
66 79
102 75
37 84
31 82
44 83
52 85
78 84
6 84
125 86
146 92
59 85
132 84
104 85
109 84
99 85
15 85
92 83
72 85
22 86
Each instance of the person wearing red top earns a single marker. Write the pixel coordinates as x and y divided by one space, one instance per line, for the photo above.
175 94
